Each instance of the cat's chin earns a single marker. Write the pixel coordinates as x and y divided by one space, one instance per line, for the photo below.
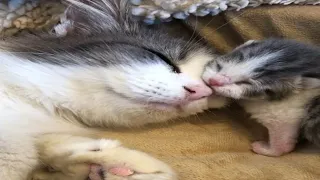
164 106
184 109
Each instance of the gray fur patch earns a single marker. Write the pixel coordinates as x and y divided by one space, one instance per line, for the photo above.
311 122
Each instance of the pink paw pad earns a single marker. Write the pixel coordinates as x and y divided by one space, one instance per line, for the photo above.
121 171
97 172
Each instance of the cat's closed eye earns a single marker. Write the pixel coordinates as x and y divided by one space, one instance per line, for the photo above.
175 68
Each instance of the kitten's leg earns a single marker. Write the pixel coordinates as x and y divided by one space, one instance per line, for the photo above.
282 140
63 152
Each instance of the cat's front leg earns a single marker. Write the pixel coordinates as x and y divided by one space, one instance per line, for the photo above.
97 159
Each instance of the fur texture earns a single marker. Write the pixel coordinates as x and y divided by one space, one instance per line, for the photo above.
277 81
111 72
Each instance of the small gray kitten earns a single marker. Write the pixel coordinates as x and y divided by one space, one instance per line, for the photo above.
278 82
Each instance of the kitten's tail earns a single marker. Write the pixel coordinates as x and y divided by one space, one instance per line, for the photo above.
311 123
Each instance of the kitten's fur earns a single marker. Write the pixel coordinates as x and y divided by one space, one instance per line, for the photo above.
277 81
112 71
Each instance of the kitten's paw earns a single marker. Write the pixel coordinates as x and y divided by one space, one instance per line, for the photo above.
263 148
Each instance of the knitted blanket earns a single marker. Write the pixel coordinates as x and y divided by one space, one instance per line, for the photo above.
28 15
19 15
165 10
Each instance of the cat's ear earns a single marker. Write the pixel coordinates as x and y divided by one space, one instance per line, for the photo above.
89 17
310 82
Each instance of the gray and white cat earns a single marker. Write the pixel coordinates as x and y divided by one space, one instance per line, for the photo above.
278 82
112 71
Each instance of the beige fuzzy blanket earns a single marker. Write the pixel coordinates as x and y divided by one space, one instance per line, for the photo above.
216 145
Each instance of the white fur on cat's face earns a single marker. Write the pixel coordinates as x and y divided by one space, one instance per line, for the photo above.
156 84
149 93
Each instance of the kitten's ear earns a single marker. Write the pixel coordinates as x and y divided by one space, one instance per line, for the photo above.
89 17
250 42
310 82
247 43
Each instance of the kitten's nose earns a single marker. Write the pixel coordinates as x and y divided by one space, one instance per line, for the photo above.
198 91
215 82
219 80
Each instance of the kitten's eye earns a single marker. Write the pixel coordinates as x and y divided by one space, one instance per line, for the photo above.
241 57
269 92
219 67
243 82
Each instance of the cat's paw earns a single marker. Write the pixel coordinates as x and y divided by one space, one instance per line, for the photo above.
122 173
119 163
74 172
122 163
264 148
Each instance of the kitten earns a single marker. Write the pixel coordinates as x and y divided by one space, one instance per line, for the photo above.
109 71
278 82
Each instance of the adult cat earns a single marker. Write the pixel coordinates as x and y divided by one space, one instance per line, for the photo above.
112 71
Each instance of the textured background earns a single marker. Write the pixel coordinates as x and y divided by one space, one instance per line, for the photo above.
28 15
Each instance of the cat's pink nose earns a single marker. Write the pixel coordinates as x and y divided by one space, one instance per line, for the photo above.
195 92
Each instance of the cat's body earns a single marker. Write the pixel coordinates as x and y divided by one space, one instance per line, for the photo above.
111 72
277 81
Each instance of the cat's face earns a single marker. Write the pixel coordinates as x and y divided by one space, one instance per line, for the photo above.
150 78
269 69
142 86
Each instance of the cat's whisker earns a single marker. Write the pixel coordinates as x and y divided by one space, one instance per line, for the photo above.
193 36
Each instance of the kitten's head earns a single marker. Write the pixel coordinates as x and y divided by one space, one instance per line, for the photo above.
269 69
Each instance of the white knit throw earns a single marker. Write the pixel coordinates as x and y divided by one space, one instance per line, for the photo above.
165 10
